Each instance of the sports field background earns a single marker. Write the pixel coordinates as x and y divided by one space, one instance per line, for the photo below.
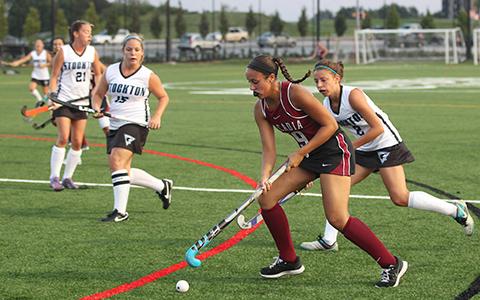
53 247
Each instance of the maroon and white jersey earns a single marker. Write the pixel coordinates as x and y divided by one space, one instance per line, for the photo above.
289 119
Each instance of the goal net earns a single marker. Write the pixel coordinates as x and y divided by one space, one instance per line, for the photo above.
409 44
476 45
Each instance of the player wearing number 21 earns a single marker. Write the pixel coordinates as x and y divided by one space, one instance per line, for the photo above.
324 152
128 84
71 71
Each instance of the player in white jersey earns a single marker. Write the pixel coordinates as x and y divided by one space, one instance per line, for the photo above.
128 85
379 147
70 81
41 60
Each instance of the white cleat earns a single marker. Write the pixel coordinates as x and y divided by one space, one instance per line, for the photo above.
319 245
464 218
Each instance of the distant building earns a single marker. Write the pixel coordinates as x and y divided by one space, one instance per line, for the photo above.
451 8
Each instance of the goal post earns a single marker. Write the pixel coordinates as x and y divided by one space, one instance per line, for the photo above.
476 45
373 45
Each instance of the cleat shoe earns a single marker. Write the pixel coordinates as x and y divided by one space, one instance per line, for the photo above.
166 194
464 218
280 268
115 216
69 184
391 275
319 245
55 184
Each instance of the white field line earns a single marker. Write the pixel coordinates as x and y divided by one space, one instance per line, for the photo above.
212 190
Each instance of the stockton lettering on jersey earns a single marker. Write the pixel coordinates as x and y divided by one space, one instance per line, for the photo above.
289 126
77 65
126 89
352 120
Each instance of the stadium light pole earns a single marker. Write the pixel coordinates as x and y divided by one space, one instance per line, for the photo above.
54 10
259 17
167 39
357 15
213 15
318 21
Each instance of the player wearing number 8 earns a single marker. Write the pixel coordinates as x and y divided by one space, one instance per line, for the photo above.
129 83
71 71
325 153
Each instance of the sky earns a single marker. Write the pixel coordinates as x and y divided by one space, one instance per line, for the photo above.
290 10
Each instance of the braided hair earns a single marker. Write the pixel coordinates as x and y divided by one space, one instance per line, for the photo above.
335 67
267 65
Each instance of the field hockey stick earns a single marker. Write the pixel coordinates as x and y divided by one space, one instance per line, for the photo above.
258 217
190 255
42 125
30 113
90 110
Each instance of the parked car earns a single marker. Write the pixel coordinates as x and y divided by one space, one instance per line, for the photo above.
217 36
104 38
268 39
236 34
195 42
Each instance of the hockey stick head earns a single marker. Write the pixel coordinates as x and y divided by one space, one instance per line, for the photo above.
191 259
242 223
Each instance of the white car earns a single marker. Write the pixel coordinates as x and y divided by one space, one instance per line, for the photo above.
104 38
236 34
195 42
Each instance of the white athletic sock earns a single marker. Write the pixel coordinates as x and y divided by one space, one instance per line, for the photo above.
121 189
73 158
37 95
141 178
330 234
56 161
424 201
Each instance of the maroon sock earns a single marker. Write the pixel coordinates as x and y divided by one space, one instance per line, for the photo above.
277 223
359 234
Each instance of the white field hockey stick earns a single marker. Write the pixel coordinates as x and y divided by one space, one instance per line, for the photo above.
90 110
190 255
258 217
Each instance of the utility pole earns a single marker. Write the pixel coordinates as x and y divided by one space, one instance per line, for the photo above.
259 17
167 40
54 12
318 21
213 16
357 15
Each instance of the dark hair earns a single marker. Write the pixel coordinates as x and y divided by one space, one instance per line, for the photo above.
59 38
267 65
76 25
335 67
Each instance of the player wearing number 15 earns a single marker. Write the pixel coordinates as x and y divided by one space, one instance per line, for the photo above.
324 152
71 71
128 84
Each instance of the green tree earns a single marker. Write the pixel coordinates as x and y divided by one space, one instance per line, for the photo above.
302 24
203 27
250 21
462 22
427 21
367 21
16 17
61 24
276 24
92 16
113 21
32 23
3 21
134 13
340 24
224 24
156 24
180 25
393 18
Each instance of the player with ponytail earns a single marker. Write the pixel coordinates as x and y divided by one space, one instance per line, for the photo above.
324 152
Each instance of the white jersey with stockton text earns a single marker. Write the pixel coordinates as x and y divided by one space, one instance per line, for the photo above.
351 120
128 95
39 73
74 79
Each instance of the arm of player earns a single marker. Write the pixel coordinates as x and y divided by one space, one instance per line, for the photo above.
304 100
20 61
99 93
156 88
359 103
56 69
269 152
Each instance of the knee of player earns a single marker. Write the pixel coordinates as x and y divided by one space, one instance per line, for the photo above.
338 220
399 199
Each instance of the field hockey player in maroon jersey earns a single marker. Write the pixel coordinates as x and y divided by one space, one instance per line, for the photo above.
324 152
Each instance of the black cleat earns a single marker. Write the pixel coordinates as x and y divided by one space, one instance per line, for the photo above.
281 267
115 216
166 194
391 275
